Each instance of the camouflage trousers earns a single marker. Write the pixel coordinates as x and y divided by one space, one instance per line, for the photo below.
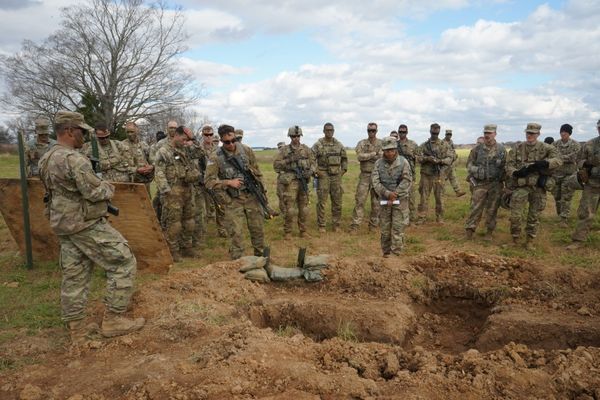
588 208
199 216
364 190
485 197
533 196
329 186
280 190
178 217
451 177
157 208
563 195
393 219
427 184
103 245
244 209
412 198
212 211
296 205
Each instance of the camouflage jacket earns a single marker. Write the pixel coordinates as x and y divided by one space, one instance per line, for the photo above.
330 156
174 167
77 197
569 153
453 152
116 164
525 154
487 163
139 152
367 153
33 152
411 151
154 148
290 160
388 177
438 150
590 153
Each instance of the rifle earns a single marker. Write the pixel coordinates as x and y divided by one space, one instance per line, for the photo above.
254 186
95 160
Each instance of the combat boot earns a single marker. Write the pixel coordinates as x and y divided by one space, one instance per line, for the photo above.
190 252
460 193
563 223
321 229
176 256
575 245
439 220
287 236
79 330
515 240
489 236
116 325
304 234
469 234
529 244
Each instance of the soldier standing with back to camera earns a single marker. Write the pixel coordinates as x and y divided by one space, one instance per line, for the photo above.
77 202
528 166
568 149
295 164
332 164
367 151
36 148
410 151
450 173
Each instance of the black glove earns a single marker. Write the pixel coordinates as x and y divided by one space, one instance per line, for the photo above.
541 164
588 164
520 173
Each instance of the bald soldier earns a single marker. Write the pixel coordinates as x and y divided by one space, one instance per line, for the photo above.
36 148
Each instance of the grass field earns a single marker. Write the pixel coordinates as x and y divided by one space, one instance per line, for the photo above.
34 304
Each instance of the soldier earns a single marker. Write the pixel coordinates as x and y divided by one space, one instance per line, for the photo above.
115 162
139 152
568 149
391 179
529 165
332 164
171 127
436 157
77 209
223 176
367 151
394 134
156 200
589 174
239 135
175 176
295 164
485 167
450 173
410 151
280 186
36 148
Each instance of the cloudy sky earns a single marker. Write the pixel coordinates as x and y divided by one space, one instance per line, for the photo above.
269 64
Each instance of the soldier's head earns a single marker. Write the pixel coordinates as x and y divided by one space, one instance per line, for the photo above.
227 136
532 132
448 136
434 130
280 145
132 131
207 134
548 140
402 132
566 131
489 133
70 128
182 136
372 129
328 130
394 134
160 135
239 134
102 133
389 145
42 129
480 139
294 132
171 127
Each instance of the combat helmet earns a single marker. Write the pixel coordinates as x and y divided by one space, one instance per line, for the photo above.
389 143
294 131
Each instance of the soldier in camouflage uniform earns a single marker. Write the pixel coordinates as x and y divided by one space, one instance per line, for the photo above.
589 161
391 179
139 152
436 158
332 164
450 173
228 183
485 167
295 163
367 151
171 127
280 186
529 165
176 174
77 208
116 164
239 135
36 148
199 160
568 149
410 151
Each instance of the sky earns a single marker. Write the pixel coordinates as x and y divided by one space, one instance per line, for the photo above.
267 65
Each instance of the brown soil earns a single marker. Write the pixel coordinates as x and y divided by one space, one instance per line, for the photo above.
453 326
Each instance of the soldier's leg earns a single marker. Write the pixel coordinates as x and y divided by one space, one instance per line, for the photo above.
188 218
322 195
375 208
209 206
157 208
537 201
400 219
362 191
222 227
255 220
235 218
438 192
518 201
337 191
289 194
412 199
172 210
492 204
588 207
302 203
452 179
199 217
385 220
478 203
567 198
425 188
281 197
556 193
76 275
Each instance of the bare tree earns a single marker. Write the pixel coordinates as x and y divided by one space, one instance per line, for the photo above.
122 52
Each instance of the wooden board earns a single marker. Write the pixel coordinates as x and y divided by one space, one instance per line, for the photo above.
136 221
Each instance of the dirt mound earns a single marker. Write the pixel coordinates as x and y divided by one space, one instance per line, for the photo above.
455 326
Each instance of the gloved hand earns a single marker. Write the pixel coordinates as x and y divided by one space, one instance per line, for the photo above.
588 164
520 173
541 164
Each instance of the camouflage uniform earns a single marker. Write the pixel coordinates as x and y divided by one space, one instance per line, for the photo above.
332 163
175 177
33 152
450 172
280 186
485 166
116 164
525 190
212 210
590 198
198 159
563 194
295 198
387 177
367 153
433 175
139 154
238 204
77 211
410 151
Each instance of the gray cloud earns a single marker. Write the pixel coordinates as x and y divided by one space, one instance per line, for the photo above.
18 4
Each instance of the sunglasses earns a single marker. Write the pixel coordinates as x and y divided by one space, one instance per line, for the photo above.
402 132
232 141
293 136
371 130
207 134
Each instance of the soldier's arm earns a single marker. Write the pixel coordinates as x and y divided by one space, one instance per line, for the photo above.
344 159
553 157
89 185
511 160
162 185
376 183
363 155
446 158
312 161
403 187
211 178
573 155
279 163
471 167
253 163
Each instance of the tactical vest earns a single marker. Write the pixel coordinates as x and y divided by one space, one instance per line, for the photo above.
103 154
330 157
390 181
489 169
227 170
179 169
524 158
595 170
303 160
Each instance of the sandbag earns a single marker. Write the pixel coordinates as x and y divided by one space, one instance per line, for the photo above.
312 275
320 260
257 275
277 273
252 262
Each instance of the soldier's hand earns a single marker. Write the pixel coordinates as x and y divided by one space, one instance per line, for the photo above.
235 183
392 197
104 165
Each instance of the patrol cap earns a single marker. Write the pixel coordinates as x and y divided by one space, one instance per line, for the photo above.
389 143
434 127
239 133
42 122
533 127
490 128
101 130
65 117
294 131
448 132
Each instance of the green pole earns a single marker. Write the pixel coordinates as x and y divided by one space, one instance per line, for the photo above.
25 202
